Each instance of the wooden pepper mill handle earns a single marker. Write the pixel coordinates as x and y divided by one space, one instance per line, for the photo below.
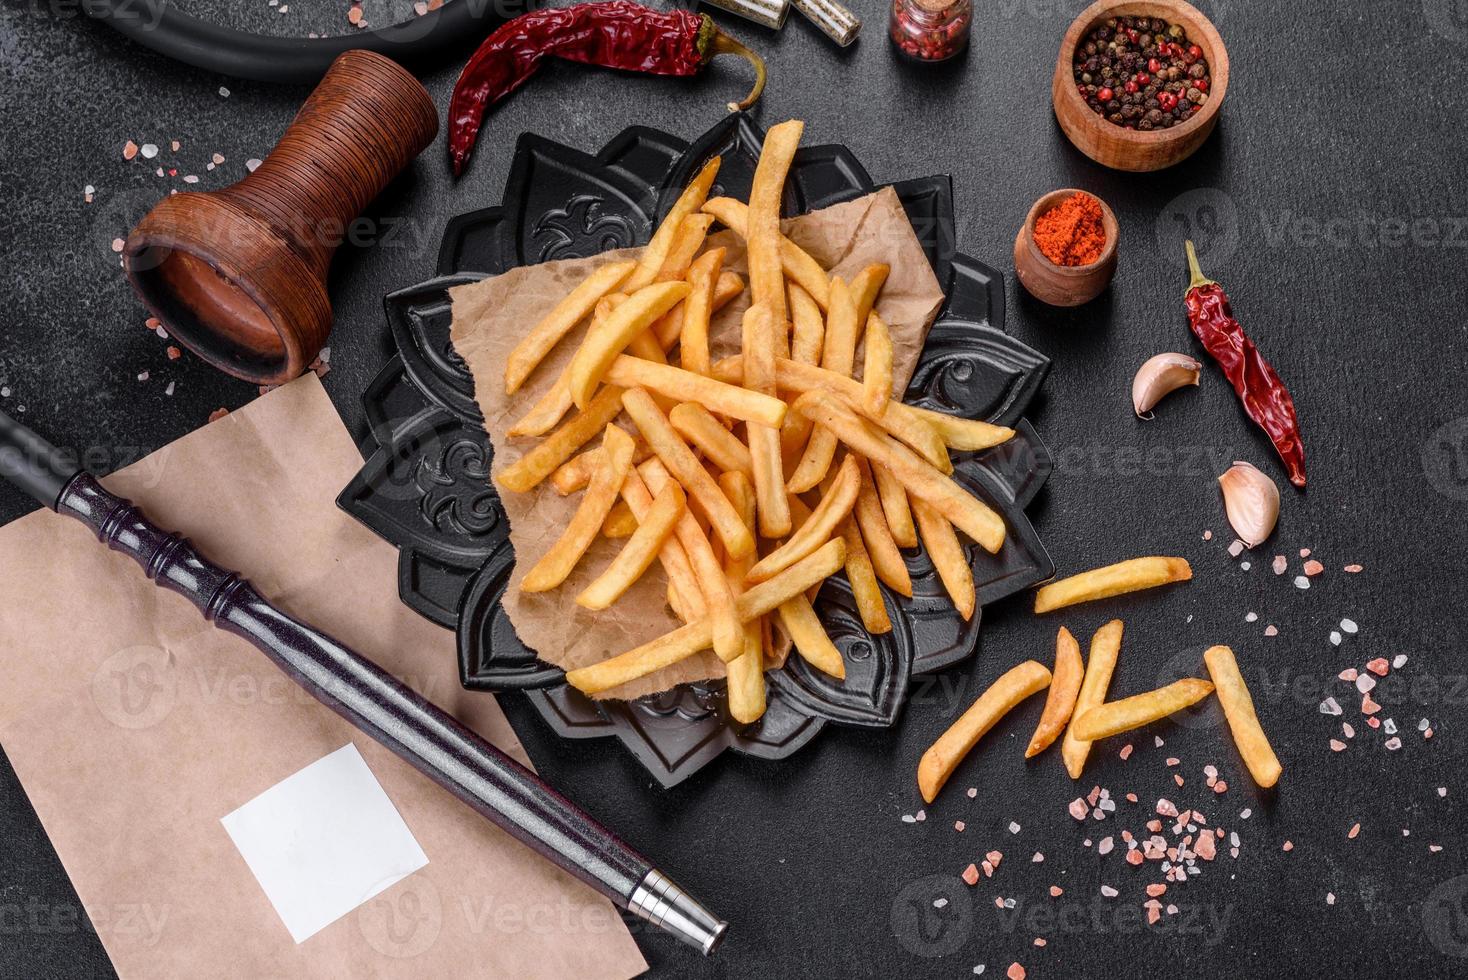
239 275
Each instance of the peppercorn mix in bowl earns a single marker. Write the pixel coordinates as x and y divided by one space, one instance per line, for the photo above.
1065 252
1138 84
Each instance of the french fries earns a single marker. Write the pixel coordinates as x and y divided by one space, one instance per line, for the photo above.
946 554
693 342
998 700
575 473
708 436
684 595
764 440
640 551
526 473
895 506
691 232
963 435
1065 687
1115 717
1105 646
746 688
837 355
864 289
656 253
969 514
685 641
557 563
562 318
606 340
762 220
1113 580
818 529
670 327
886 559
619 523
810 638
863 578
1238 708
807 327
685 386
876 374
798 265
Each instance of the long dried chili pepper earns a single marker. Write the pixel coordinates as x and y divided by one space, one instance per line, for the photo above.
610 34
1259 388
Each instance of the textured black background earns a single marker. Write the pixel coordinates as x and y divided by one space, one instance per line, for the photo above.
1338 112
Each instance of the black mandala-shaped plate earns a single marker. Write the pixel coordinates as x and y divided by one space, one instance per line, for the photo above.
426 489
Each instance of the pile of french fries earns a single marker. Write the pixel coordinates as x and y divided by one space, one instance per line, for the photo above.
750 480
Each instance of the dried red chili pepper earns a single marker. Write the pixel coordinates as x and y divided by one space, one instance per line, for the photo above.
610 34
1263 394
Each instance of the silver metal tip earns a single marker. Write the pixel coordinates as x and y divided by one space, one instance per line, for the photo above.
669 907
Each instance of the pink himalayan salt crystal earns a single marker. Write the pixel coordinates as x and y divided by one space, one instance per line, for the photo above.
1355 829
1288 846
1304 552
1056 891
1313 568
1134 857
1126 751
1353 569
1368 706
1206 848
1156 890
1280 564
1379 666
958 825
971 875
1079 809
1271 630
1336 745
1348 675
129 150
1207 535
1015 972
1235 549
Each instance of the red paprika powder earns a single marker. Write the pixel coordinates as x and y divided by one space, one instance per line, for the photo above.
1072 232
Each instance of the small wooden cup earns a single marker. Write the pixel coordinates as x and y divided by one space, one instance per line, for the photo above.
238 275
1064 285
1129 149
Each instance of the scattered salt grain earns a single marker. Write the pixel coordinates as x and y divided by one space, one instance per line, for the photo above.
1280 564
958 825
940 903
149 150
1365 682
1330 707
1271 630
1304 552
1037 858
1393 743
1349 625
973 792
142 375
251 164
1015 972
223 92
1313 568
1288 846
1337 745
1252 617
1056 891
1078 808
1353 569
1301 582
117 244
1399 661
1442 791
1207 535
1245 565
1013 827
1108 891
971 875
1378 666
169 390
1335 638
1235 549
1330 898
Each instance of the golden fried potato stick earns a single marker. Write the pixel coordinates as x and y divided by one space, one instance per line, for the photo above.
685 386
548 409
638 554
697 308
728 637
1115 717
864 289
691 233
895 506
606 340
684 595
656 252
619 523
564 316
540 462
1105 646
837 356
963 435
685 641
1065 686
575 473
823 523
762 219
798 265
881 547
746 686
557 563
810 638
759 329
876 375
1001 697
863 578
1102 583
718 445
685 468
947 556
1238 708
670 327
807 326
969 514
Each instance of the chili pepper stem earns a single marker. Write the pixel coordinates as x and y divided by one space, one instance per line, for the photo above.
722 43
1195 271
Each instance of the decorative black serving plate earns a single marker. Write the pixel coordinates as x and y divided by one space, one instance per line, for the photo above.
426 486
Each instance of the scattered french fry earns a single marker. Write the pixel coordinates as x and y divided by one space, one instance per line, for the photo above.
810 638
969 514
619 523
881 547
638 554
685 386
764 441
1001 697
807 326
684 594
762 220
686 243
575 473
963 435
1065 687
837 356
548 409
1102 583
656 252
895 506
746 689
693 342
685 641
1238 708
525 473
864 289
798 265
609 338
870 604
670 327
815 532
718 445
557 563
876 375
1115 717
1105 646
562 318
947 556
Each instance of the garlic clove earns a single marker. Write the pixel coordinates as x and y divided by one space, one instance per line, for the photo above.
1251 501
1161 375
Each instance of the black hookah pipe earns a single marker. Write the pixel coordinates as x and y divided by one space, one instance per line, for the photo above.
382 707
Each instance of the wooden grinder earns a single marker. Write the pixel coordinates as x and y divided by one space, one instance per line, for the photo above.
239 275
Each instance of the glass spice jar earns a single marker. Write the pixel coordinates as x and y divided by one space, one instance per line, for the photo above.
931 30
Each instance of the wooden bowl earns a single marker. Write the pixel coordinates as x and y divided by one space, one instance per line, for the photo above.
1128 149
1063 285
